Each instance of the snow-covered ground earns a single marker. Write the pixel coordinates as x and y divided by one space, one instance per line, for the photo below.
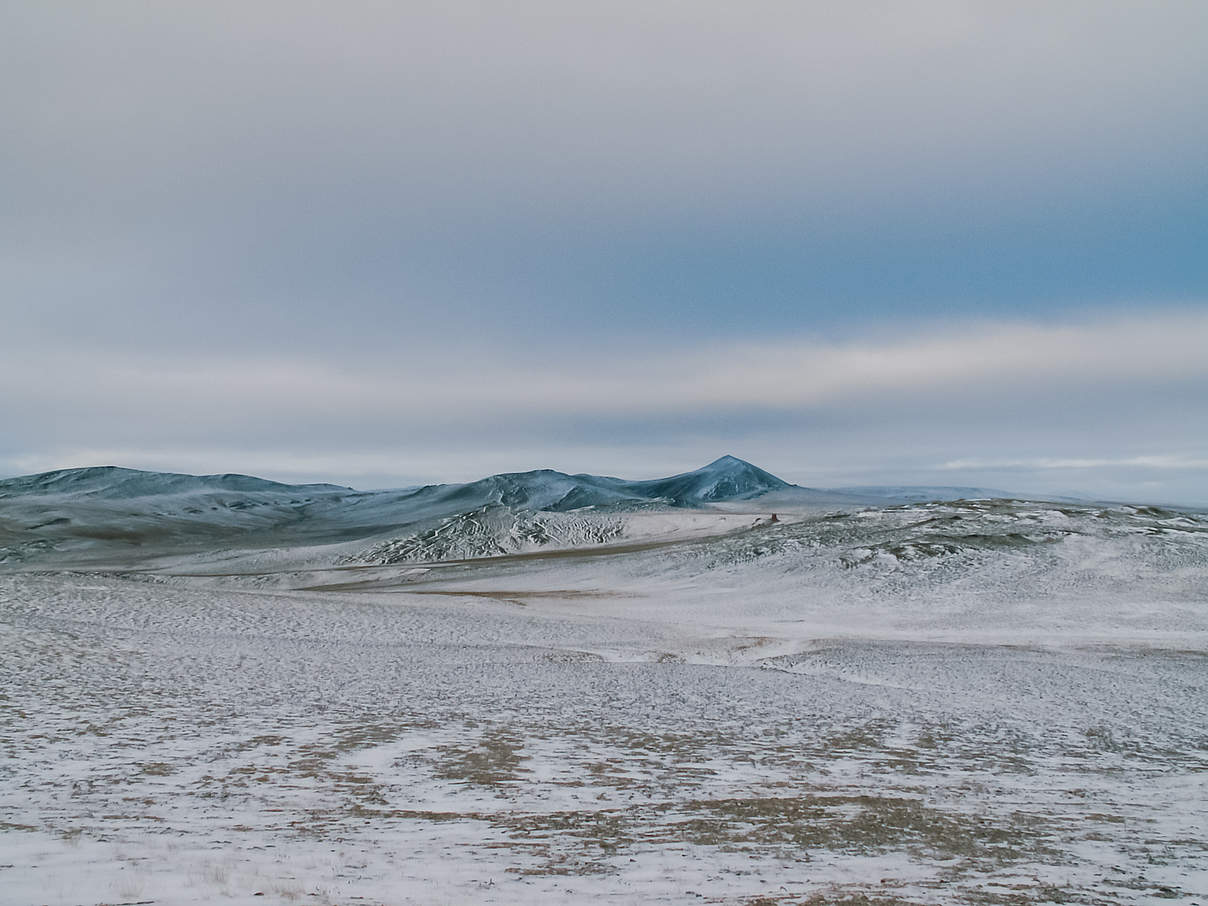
982 701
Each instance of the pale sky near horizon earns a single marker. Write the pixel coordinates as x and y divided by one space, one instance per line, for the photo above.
386 243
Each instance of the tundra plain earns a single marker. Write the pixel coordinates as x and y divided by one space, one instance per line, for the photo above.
760 696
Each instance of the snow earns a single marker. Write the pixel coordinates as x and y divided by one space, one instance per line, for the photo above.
975 701
103 515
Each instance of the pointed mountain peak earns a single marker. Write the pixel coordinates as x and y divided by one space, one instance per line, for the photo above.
729 462
726 478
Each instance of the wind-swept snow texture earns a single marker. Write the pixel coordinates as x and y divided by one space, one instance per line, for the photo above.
979 701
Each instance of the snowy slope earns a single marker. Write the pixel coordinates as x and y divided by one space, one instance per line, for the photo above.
123 511
993 569
993 701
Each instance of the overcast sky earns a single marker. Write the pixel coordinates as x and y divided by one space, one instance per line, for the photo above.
384 243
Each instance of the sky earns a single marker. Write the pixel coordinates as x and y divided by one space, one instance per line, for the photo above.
383 243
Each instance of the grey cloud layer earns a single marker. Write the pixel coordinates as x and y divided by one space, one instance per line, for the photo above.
629 104
785 375
184 174
907 402
382 240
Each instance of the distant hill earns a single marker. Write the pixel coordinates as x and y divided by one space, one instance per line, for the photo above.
927 493
727 478
922 493
116 483
106 508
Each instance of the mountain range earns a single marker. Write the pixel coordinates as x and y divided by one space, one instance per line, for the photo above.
106 511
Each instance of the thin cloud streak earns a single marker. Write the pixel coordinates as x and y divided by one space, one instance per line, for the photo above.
995 359
1167 461
997 404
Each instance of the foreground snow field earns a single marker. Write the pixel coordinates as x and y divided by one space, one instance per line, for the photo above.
983 702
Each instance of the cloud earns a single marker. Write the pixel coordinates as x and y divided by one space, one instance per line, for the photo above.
286 178
489 235
1162 462
493 109
990 360
1006 399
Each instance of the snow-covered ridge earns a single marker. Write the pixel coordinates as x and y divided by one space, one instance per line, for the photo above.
104 511
114 482
113 516
727 478
724 479
493 530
